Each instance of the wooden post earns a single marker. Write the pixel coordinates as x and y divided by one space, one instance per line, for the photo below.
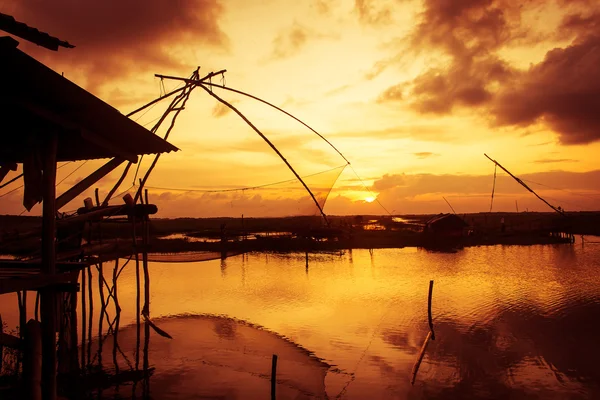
1 345
74 366
273 377
97 197
83 318
419 359
306 256
22 299
430 335
32 363
48 300
91 316
117 315
145 233
138 295
429 310
102 311
141 197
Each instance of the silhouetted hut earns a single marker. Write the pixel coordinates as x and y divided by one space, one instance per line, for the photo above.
47 119
446 225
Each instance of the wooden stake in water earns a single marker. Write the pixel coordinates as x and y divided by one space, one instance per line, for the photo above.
429 310
273 376
419 359
430 335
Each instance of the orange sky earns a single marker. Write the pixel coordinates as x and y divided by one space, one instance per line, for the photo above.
411 92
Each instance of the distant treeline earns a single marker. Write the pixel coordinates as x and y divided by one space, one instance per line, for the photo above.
578 223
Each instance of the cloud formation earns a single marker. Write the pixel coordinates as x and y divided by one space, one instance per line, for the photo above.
562 91
292 40
116 38
425 154
369 13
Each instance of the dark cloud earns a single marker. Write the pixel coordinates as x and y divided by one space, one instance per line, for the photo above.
469 32
465 84
116 38
370 13
562 91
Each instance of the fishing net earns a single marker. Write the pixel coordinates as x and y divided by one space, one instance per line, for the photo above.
278 199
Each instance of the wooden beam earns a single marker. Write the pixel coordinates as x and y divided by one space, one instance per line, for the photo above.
29 265
38 281
48 297
88 182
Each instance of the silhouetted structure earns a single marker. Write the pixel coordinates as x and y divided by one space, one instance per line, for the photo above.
47 119
445 226
10 25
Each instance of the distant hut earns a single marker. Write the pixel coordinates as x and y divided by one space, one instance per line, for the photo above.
445 226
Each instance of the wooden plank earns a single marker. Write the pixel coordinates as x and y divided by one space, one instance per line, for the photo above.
17 264
34 282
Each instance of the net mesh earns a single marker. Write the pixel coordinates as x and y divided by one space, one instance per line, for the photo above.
280 199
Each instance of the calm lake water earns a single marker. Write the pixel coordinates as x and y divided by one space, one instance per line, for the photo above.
510 321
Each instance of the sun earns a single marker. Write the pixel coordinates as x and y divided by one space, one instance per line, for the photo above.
370 199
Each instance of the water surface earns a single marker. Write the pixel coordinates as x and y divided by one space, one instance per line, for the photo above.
510 321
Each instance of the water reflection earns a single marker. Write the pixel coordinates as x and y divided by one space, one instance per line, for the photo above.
511 322
218 357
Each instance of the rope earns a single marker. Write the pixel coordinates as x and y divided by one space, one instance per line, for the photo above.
242 188
493 187
17 188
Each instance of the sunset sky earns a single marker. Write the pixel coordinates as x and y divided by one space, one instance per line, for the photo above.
413 93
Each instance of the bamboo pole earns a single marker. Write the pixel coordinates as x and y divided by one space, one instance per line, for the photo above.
74 366
102 312
274 377
430 335
525 186
117 316
1 344
83 318
419 359
183 97
138 295
22 301
32 363
286 162
91 316
48 303
429 310
36 307
146 309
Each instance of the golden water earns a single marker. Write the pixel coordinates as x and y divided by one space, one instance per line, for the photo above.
510 321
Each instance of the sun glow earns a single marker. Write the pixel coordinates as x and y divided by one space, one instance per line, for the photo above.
370 199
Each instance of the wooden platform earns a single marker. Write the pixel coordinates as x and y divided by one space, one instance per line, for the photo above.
24 275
